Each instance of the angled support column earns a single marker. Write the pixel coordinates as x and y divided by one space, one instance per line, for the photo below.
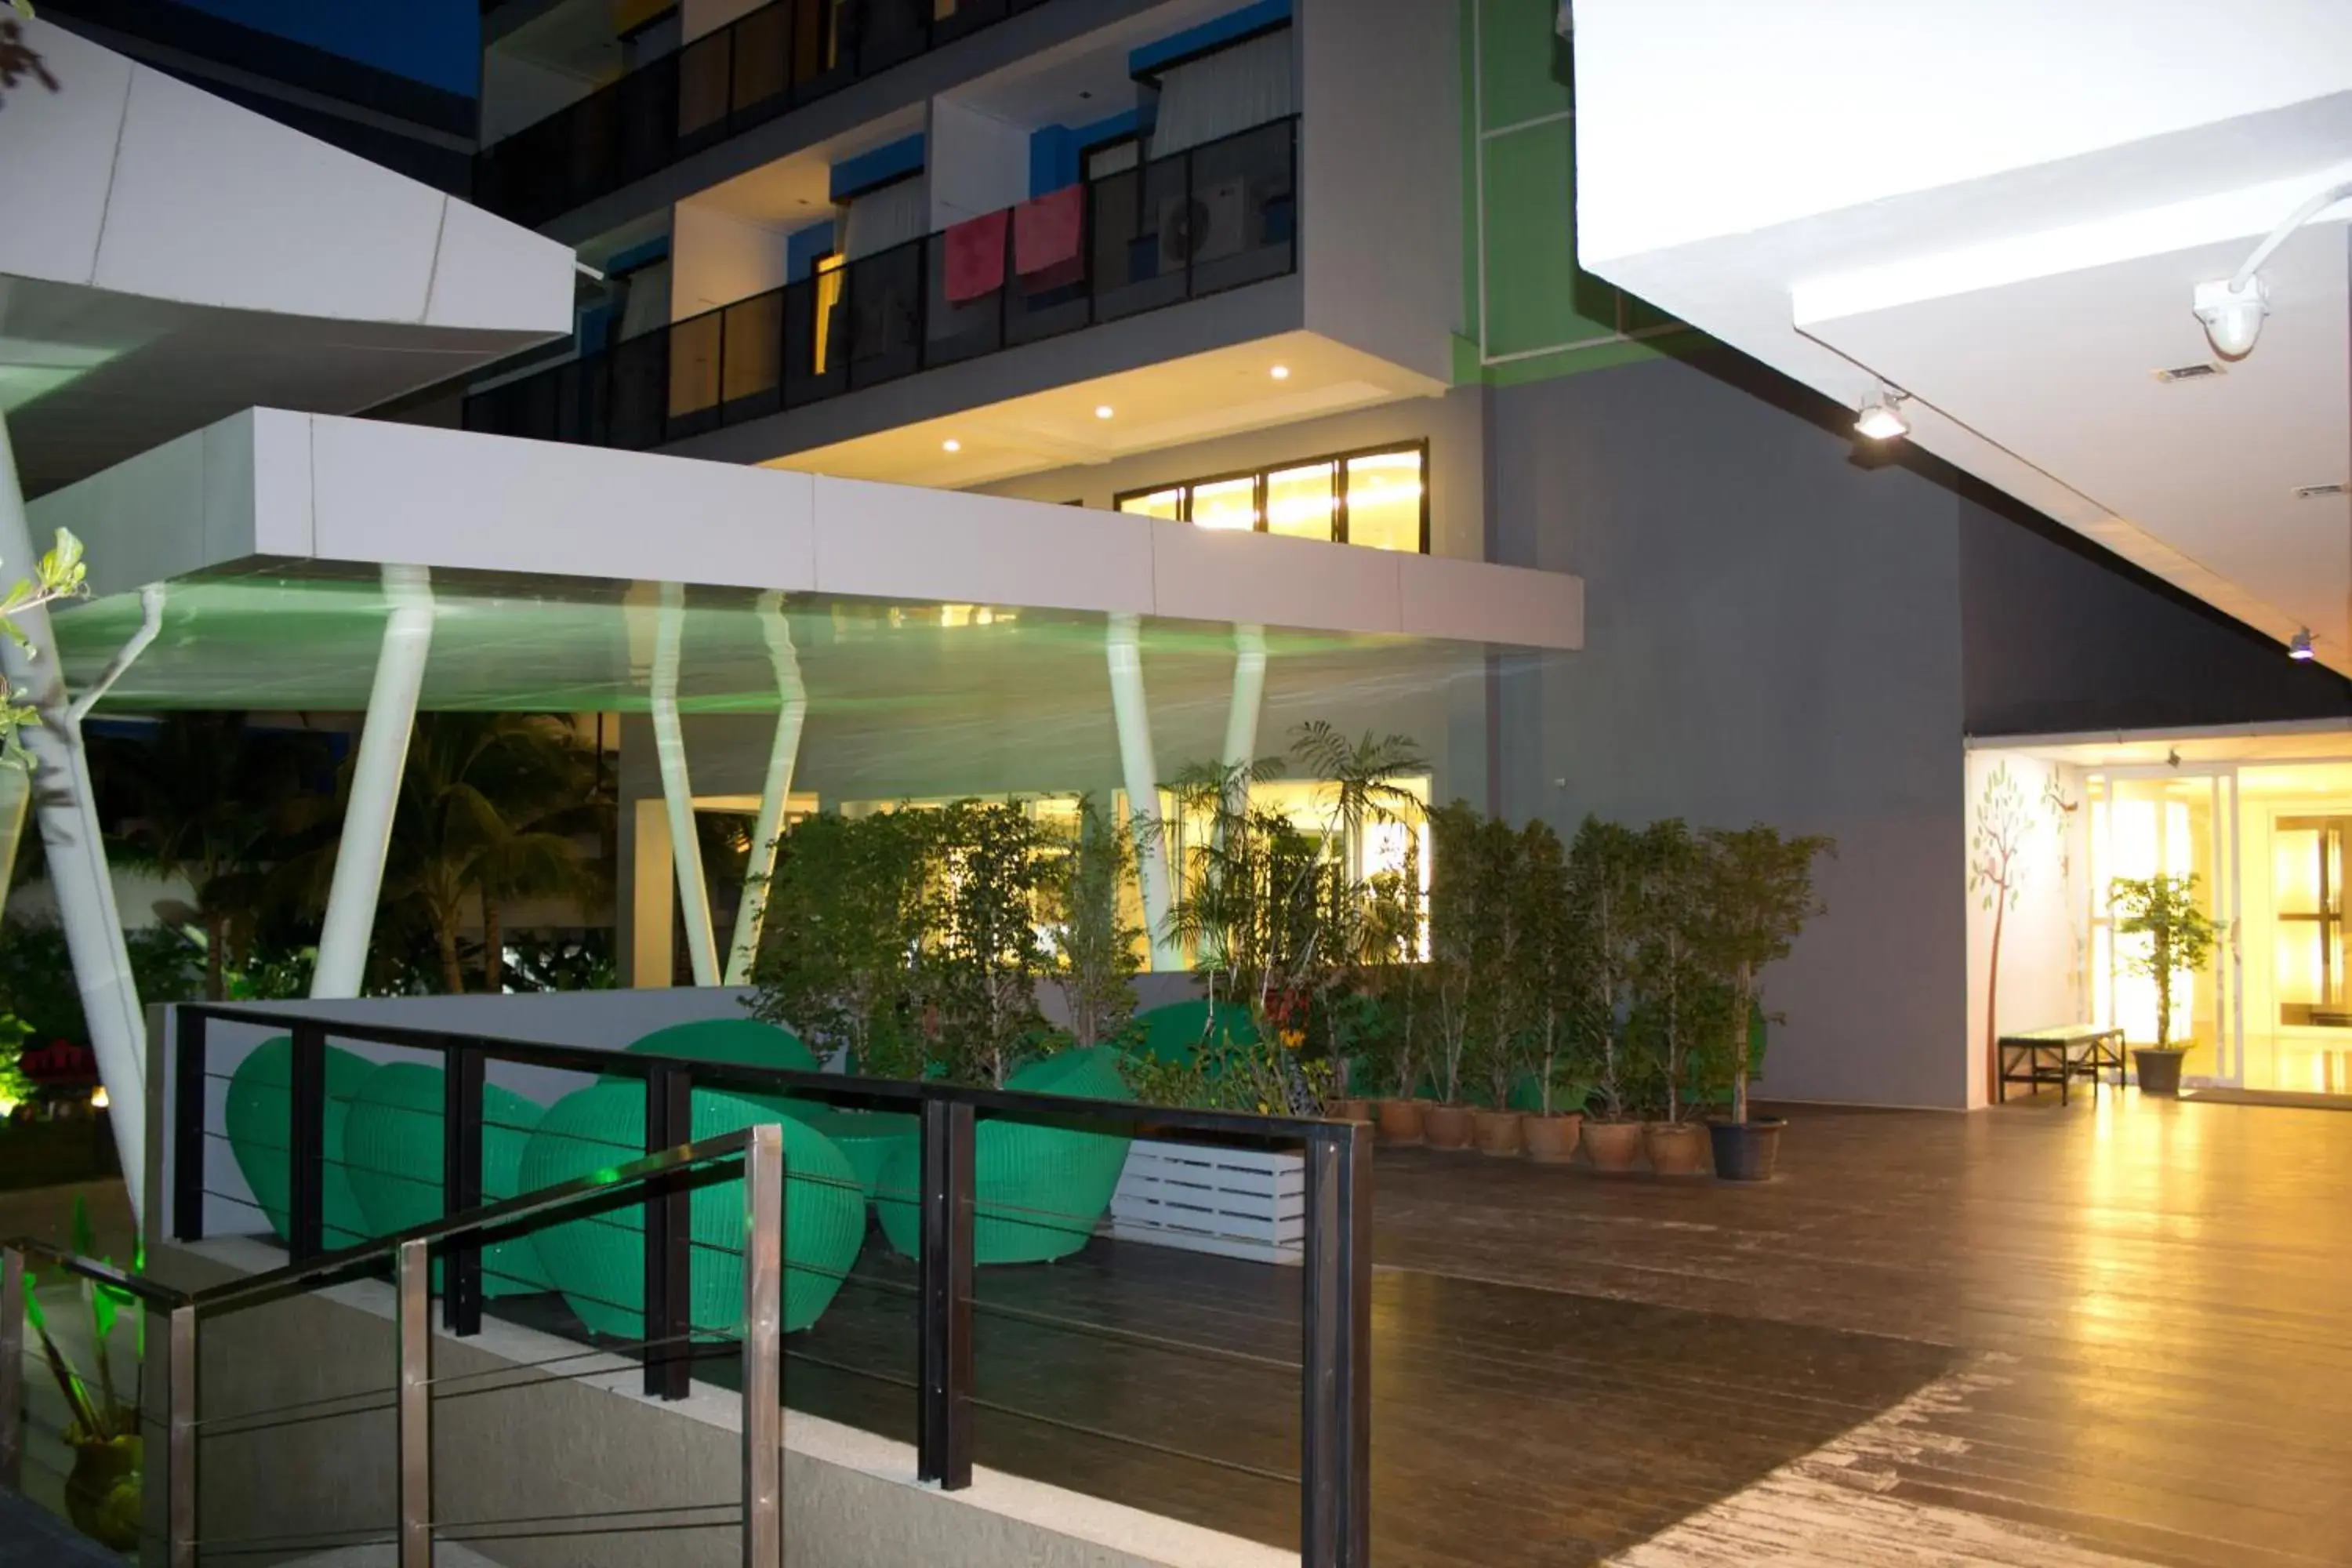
78 872
678 789
1140 771
784 755
376 770
1249 695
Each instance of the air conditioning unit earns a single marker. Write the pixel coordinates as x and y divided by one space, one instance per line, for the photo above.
1214 221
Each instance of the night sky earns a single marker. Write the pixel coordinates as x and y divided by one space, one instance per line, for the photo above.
433 41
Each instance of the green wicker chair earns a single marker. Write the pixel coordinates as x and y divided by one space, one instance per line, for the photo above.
1041 1187
1171 1033
742 1041
260 1096
598 1260
868 1139
392 1140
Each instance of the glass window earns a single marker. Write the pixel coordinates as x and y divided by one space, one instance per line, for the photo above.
829 279
1227 503
1303 502
1384 500
1167 503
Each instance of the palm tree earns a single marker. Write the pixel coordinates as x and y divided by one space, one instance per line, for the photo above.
211 798
492 807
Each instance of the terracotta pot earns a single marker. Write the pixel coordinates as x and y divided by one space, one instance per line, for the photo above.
1398 1121
1551 1140
1676 1148
1613 1145
1447 1126
1497 1132
1353 1111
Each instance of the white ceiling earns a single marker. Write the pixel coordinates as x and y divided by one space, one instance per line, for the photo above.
2009 225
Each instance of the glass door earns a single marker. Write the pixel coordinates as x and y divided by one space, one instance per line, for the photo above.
2145 821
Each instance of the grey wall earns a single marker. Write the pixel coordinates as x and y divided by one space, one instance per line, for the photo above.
1774 635
2062 636
1381 151
1452 425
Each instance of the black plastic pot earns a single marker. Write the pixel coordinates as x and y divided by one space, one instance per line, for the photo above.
2159 1071
1746 1150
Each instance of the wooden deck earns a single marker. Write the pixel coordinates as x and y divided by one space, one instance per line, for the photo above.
2116 1333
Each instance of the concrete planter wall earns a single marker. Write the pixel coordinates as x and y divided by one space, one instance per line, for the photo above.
1237 1203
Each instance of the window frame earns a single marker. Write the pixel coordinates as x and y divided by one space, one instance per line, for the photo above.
1261 475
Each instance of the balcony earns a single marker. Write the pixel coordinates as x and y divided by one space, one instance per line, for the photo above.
776 58
1217 216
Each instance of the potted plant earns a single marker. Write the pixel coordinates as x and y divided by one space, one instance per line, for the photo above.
1547 955
846 912
1469 871
1758 893
2163 909
1094 957
1671 985
1604 892
102 1485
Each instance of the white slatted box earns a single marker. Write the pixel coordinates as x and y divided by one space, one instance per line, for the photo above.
1242 1202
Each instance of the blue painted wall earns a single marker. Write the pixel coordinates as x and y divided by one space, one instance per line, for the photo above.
437 42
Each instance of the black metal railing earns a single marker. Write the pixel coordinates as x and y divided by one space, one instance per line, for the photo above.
1195 223
1333 1477
758 1151
784 55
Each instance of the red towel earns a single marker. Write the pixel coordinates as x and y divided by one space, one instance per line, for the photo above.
1048 238
975 258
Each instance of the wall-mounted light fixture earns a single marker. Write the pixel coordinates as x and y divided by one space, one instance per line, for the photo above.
2232 308
1880 418
2298 646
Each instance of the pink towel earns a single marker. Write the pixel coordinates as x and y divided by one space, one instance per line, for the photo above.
975 258
1048 238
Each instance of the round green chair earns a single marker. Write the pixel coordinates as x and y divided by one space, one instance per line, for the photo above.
260 1100
597 1261
393 1141
745 1042
1172 1033
1041 1187
868 1139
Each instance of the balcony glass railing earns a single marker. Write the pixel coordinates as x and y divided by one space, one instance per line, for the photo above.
1217 216
777 58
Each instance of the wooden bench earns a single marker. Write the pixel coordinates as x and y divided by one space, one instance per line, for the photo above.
2059 1055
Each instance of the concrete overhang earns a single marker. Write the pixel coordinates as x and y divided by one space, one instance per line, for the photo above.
270 529
2002 209
170 259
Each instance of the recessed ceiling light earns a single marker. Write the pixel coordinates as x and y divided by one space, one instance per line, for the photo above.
1880 419
1102 411
950 445
1280 372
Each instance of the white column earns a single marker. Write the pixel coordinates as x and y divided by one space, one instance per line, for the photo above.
784 755
350 927
678 789
78 873
1249 695
1141 772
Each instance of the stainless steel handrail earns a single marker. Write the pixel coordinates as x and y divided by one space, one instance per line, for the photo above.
761 1150
236 1293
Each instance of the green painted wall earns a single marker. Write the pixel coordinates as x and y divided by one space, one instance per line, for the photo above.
1539 314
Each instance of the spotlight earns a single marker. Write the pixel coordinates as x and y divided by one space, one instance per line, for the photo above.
2298 646
2232 313
1880 419
1280 372
1102 410
950 445
97 1099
